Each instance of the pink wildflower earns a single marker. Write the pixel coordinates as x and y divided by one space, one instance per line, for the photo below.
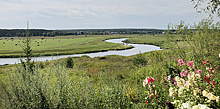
180 62
207 61
210 69
213 84
204 62
199 71
217 67
189 63
146 102
152 79
213 71
183 73
175 83
165 78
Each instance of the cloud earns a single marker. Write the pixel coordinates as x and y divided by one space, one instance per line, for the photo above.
93 13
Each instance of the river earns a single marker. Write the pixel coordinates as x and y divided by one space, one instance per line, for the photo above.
138 48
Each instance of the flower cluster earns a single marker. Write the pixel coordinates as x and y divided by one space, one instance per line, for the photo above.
148 81
152 93
193 85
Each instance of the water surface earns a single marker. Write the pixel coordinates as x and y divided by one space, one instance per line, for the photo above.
137 49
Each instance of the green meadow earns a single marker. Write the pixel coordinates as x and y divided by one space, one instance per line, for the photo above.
155 79
59 45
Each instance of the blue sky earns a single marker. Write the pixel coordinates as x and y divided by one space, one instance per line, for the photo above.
96 14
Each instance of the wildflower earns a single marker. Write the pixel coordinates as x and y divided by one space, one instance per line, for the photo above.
217 99
150 80
175 83
213 71
189 63
202 106
217 67
210 96
207 61
197 76
151 96
145 82
146 102
183 73
199 71
165 78
186 105
169 77
180 62
210 69
204 62
207 79
204 93
213 84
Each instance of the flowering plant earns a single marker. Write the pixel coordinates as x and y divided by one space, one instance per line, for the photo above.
193 87
152 92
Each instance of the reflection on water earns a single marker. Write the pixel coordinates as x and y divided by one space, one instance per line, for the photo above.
137 49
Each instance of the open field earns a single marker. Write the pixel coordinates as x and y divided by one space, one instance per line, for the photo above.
59 45
114 81
63 45
157 40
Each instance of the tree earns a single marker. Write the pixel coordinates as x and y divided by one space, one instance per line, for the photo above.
212 6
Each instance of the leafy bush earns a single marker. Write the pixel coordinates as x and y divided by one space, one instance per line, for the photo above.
69 62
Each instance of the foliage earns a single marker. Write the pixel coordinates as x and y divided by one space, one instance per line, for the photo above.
196 42
194 86
69 62
140 60
212 6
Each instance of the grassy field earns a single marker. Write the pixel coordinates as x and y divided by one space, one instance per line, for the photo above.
59 45
148 39
115 81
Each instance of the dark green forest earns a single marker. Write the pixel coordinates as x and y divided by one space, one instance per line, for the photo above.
52 33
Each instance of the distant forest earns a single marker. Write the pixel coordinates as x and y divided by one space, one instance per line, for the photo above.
52 33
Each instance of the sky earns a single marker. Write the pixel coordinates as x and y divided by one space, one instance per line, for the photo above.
96 14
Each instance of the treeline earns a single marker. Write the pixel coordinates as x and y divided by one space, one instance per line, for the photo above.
22 32
52 33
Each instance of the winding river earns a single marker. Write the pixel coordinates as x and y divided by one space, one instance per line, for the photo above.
137 49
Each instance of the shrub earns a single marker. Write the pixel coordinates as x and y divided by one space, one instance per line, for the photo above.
69 62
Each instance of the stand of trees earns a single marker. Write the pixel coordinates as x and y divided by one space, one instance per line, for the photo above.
52 33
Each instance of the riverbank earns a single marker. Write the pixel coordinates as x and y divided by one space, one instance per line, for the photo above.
68 45
61 45
137 48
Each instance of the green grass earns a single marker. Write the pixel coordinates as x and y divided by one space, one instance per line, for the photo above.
59 45
148 39
62 45
100 82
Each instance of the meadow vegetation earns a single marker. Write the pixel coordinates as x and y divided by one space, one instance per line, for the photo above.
59 45
117 81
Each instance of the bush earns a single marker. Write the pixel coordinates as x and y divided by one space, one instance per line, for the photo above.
69 62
